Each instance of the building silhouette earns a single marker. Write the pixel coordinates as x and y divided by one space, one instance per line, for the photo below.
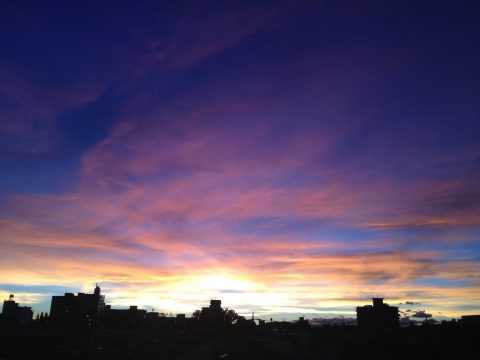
81 311
126 319
213 314
14 315
470 320
378 316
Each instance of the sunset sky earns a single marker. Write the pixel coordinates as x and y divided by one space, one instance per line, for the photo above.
287 157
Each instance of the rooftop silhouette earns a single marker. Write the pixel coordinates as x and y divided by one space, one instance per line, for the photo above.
378 316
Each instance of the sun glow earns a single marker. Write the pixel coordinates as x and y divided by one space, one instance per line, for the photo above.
225 283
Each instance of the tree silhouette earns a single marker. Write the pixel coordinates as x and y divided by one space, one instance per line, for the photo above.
230 316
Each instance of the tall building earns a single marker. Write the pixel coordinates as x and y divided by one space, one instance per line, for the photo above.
378 316
81 311
214 314
14 315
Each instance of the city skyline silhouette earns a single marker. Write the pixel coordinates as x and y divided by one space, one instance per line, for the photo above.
405 313
85 326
